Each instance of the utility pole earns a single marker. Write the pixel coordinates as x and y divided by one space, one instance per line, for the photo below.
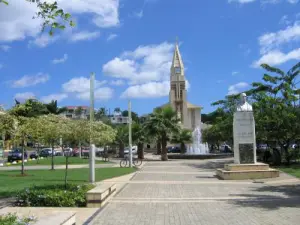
130 137
92 146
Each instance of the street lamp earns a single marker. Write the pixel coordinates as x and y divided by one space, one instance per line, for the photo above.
130 135
92 146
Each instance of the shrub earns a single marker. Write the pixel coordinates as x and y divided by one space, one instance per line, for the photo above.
54 196
13 219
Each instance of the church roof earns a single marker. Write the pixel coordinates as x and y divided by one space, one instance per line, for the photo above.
192 106
177 60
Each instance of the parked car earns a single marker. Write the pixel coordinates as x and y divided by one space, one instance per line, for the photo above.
33 155
46 152
173 149
134 150
16 154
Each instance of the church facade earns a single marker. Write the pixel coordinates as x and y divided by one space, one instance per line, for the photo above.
189 114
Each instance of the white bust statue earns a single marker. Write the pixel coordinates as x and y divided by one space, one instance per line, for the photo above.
244 106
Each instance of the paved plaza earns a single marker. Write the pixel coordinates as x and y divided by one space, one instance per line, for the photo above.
186 192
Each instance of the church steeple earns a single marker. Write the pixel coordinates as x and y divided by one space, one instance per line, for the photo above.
177 67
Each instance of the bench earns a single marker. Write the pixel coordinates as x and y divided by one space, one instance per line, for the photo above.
99 195
58 218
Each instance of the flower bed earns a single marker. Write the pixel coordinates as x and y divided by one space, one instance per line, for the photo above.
54 196
13 219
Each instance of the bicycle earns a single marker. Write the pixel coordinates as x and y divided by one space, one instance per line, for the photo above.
135 161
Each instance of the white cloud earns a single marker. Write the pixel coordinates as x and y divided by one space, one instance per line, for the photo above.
276 57
84 35
117 82
148 90
27 81
285 20
80 86
5 48
270 41
103 93
111 37
139 14
144 64
237 88
61 60
16 21
57 97
264 1
241 1
24 96
43 40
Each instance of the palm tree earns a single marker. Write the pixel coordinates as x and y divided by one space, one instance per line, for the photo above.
54 109
183 137
122 138
163 122
139 137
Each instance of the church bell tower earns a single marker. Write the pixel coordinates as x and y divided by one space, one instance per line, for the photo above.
177 96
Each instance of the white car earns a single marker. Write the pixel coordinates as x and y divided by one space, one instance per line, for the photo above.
134 150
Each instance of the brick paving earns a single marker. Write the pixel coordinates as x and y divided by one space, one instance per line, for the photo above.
187 193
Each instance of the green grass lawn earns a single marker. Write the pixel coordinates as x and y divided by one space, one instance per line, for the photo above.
12 182
61 160
292 170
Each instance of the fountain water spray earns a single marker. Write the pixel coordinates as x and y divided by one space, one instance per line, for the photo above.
197 148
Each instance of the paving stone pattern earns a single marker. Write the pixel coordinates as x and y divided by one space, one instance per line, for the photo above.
161 194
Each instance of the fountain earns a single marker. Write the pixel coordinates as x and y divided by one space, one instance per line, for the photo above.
197 148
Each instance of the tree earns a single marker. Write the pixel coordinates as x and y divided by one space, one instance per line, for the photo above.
134 115
78 111
163 122
213 136
182 137
100 114
122 138
54 109
139 137
52 16
80 133
30 108
276 107
17 128
55 127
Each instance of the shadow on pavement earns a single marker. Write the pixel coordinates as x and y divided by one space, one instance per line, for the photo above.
288 196
210 165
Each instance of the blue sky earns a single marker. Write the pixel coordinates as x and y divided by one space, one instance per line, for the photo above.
129 45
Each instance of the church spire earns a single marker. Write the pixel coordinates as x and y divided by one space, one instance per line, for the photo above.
177 64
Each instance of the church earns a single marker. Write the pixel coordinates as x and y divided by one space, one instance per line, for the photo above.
189 114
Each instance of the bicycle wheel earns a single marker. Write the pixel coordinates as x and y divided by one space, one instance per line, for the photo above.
137 162
123 163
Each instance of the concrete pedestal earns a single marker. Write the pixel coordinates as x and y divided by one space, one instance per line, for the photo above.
246 171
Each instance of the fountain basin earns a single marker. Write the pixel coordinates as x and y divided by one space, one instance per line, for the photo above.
200 156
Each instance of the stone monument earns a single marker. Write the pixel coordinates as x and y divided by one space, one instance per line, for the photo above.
244 133
245 164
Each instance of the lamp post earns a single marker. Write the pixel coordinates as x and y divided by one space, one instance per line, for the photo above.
92 146
130 135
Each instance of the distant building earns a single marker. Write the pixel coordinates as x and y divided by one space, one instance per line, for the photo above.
117 118
77 112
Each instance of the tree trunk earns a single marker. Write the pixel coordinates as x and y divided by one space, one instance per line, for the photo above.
121 150
38 154
158 147
66 172
182 148
52 157
164 152
22 166
141 150
287 154
80 150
